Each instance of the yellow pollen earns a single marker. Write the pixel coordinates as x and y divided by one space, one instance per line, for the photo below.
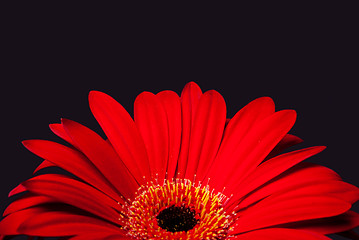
178 209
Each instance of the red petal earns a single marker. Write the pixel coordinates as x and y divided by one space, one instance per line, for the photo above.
190 98
151 120
337 189
247 117
236 130
70 191
100 235
39 221
280 234
336 224
103 156
26 201
330 188
172 105
288 208
254 148
43 165
206 134
122 133
18 189
59 130
272 168
303 174
72 161
289 140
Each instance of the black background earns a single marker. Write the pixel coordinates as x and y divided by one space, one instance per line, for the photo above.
304 57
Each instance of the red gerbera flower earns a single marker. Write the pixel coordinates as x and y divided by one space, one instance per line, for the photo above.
180 170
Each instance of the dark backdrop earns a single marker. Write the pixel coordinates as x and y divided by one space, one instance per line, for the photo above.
305 61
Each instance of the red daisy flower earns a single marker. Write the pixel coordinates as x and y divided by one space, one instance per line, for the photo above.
181 170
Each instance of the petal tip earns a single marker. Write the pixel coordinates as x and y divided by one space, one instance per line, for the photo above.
266 99
192 85
213 92
321 148
317 149
294 138
144 95
26 143
18 189
65 121
53 125
290 113
93 94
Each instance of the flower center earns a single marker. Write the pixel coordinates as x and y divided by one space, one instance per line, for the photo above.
177 219
177 209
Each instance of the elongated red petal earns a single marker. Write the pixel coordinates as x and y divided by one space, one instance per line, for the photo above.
206 135
72 161
151 120
59 130
27 201
246 118
189 100
337 189
70 191
280 234
172 105
40 221
336 224
289 208
303 174
272 168
97 149
238 127
256 146
122 133
18 189
43 165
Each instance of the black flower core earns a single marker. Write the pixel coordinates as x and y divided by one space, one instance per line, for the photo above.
176 219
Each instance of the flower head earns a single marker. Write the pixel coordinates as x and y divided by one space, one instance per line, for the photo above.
180 170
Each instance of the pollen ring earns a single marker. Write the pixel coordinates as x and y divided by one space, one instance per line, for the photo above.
178 209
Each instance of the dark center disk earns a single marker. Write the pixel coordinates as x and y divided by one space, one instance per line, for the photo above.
176 219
